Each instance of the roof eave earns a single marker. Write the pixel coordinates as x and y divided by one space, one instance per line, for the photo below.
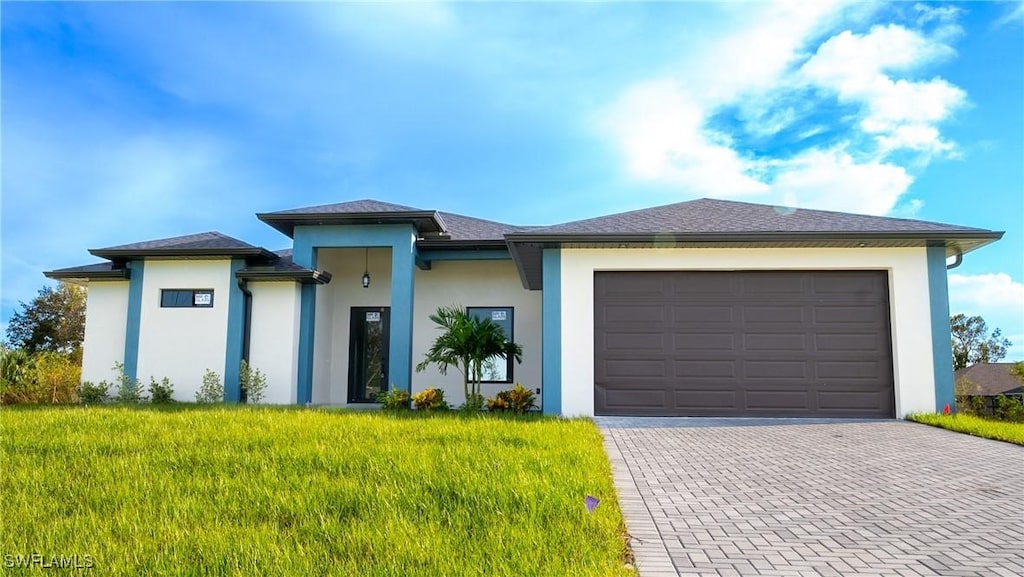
72 276
422 220
301 276
123 254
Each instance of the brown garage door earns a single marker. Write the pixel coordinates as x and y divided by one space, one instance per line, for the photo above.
781 344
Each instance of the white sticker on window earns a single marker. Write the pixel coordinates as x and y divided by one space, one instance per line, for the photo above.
202 299
499 315
373 317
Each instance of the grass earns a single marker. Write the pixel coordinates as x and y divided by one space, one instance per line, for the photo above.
972 425
294 491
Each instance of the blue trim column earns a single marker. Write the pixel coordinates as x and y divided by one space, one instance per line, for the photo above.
401 238
236 334
551 318
304 254
131 332
403 291
942 350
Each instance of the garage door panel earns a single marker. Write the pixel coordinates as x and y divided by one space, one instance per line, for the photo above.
774 314
706 399
703 314
866 369
847 342
780 342
790 343
792 400
634 341
754 370
633 313
631 368
636 397
706 368
848 314
704 286
689 343
774 285
852 400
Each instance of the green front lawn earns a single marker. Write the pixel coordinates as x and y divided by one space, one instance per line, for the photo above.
977 426
292 491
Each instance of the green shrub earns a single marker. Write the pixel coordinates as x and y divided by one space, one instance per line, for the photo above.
17 377
93 394
129 390
430 400
1009 408
57 378
474 403
518 400
497 404
162 392
394 399
212 389
253 383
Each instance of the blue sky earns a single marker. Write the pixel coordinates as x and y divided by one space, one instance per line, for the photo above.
126 122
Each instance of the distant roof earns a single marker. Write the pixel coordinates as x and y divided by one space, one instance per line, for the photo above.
991 379
721 223
203 244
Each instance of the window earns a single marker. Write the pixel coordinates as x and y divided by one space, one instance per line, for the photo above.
186 298
496 369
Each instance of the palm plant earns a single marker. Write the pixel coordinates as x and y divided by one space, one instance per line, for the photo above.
467 343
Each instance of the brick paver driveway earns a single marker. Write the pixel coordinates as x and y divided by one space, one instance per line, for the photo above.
787 497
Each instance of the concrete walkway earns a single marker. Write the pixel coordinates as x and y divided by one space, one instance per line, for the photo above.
787 497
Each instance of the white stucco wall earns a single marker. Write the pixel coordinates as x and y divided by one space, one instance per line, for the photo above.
486 283
334 302
106 318
908 300
274 337
181 343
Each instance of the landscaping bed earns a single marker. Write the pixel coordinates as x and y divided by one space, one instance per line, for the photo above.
973 425
296 491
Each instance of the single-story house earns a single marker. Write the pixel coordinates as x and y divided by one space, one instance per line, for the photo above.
706 307
989 379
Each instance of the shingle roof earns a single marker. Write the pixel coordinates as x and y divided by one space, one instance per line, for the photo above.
991 379
462 227
365 205
204 243
283 268
722 216
458 227
721 223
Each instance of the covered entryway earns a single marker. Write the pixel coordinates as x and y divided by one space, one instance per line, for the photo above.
743 343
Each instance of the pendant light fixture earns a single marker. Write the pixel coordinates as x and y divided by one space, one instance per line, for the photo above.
366 270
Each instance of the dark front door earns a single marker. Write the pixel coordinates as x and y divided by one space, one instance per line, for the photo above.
368 353
743 343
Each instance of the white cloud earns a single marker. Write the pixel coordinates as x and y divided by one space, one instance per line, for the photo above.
659 127
1014 15
986 292
833 180
662 125
901 112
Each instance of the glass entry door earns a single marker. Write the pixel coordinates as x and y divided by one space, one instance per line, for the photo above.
368 353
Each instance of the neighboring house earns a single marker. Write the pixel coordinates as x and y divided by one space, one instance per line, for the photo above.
705 307
990 379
